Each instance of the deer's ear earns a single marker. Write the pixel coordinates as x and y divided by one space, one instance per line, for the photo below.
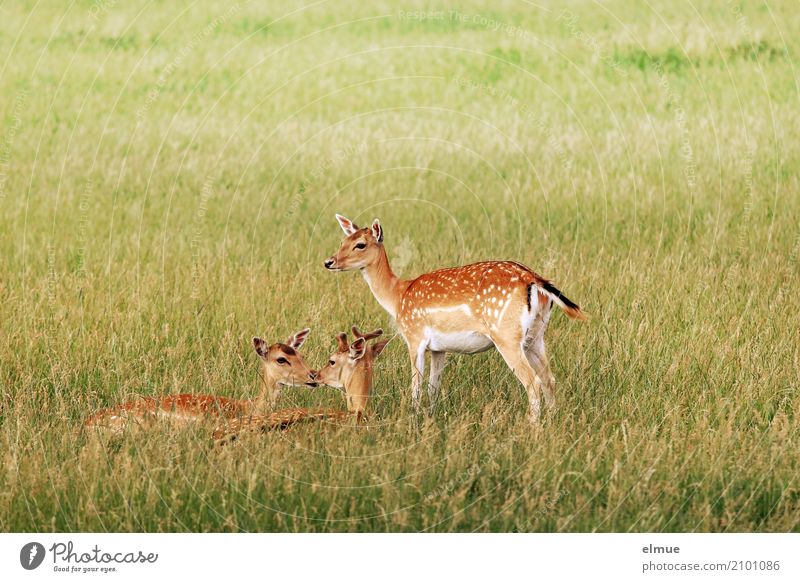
341 339
348 226
297 339
377 348
357 349
261 347
377 230
367 336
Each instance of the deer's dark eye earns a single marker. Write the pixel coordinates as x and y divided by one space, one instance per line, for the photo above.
360 246
331 363
283 361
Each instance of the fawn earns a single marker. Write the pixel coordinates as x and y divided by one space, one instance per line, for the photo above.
281 365
349 368
464 310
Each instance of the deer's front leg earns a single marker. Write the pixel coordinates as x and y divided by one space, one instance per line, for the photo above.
435 381
416 352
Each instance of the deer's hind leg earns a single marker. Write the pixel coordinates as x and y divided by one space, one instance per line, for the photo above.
536 355
512 350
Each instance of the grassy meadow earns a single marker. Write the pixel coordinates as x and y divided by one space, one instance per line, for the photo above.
168 179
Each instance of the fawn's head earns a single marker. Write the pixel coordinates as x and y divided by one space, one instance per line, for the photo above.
360 248
351 367
282 362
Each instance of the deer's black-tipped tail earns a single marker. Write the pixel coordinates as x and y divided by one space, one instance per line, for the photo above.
572 309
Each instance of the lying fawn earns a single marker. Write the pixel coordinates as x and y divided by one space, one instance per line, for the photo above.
464 310
229 429
281 365
350 368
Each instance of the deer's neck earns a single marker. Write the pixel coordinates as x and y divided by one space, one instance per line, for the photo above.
357 388
385 285
268 395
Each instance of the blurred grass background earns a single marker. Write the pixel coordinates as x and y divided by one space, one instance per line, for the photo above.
168 179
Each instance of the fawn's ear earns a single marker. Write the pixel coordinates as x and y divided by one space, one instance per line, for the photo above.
261 347
297 339
357 349
348 226
341 339
377 230
367 336
377 348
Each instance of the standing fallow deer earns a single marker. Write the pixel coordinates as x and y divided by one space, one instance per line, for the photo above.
281 365
463 310
349 368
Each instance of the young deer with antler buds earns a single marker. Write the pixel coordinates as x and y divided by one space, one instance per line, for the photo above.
464 310
350 368
281 365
